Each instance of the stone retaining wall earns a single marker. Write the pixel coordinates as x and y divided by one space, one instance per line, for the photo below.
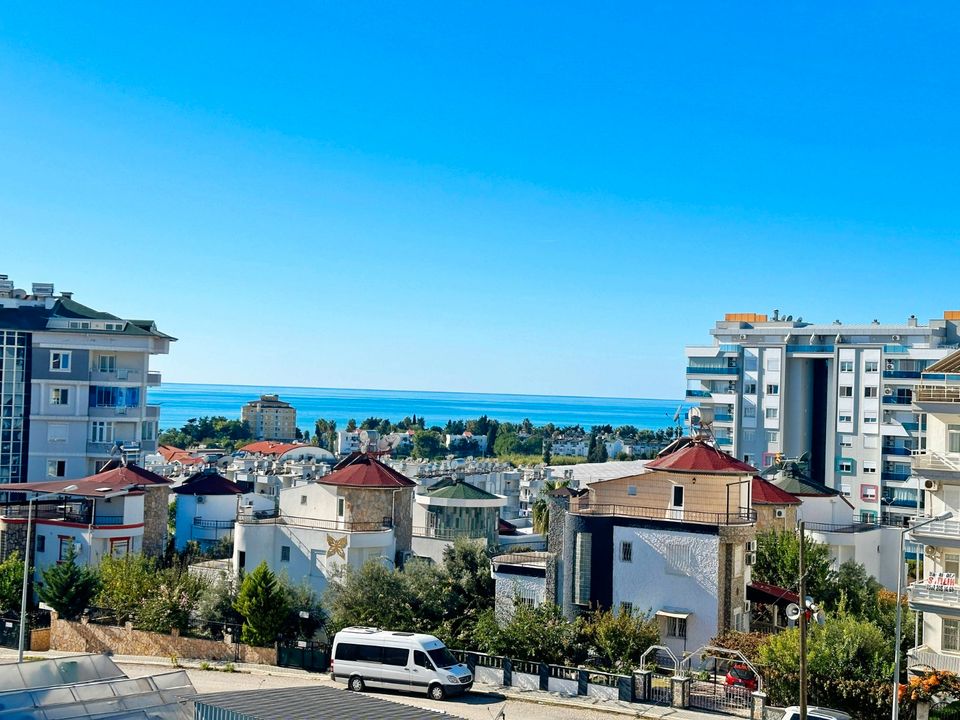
86 637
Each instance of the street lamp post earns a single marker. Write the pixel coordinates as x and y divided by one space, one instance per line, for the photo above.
26 566
895 713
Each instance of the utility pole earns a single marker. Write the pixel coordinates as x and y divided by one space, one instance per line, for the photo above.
803 627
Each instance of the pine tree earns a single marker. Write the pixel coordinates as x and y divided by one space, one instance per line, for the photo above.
263 605
68 587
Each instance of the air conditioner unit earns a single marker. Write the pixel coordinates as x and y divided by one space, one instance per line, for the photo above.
895 338
201 499
743 336
749 559
888 391
751 546
890 365
746 606
931 485
780 513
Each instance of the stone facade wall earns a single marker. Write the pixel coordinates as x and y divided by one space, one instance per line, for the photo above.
372 505
84 637
13 538
767 518
156 500
733 573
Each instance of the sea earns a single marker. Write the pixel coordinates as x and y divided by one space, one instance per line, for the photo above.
181 401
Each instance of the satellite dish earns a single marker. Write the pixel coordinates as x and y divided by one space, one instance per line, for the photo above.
820 617
792 611
695 416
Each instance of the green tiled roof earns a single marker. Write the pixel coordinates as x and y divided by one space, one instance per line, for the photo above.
458 490
37 318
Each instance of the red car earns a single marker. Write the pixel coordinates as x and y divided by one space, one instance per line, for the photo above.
741 676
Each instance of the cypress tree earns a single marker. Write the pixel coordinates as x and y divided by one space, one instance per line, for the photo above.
263 604
68 587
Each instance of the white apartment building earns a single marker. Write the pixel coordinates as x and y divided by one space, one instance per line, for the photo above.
839 393
74 385
937 465
270 418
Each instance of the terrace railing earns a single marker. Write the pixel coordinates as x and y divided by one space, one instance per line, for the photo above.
740 516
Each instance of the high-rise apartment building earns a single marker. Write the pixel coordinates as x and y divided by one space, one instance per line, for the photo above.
73 385
270 418
839 393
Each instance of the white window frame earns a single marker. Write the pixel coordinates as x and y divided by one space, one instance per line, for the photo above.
677 627
750 388
56 360
773 389
771 413
953 439
53 465
871 391
845 391
102 431
60 396
950 635
871 366
845 466
845 419
846 366
111 363
773 436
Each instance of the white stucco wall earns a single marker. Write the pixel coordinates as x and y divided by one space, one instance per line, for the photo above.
213 507
670 570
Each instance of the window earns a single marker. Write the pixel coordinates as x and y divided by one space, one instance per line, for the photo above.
106 396
951 563
676 627
845 490
119 547
284 553
60 361
677 496
844 418
395 656
845 466
953 438
846 440
101 431
750 389
56 468
748 458
420 659
871 391
582 567
749 410
773 436
771 413
773 389
869 419
626 608
868 516
869 467
846 366
626 552
868 492
148 431
773 363
846 391
66 543
59 396
340 507
303 499
107 363
41 543
871 366
950 635
871 442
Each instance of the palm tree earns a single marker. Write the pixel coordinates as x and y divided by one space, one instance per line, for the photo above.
541 508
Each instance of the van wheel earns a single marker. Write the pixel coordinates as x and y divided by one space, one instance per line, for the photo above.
436 692
356 684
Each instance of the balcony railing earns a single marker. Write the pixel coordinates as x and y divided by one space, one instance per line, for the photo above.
723 417
809 348
153 411
930 460
902 374
154 379
76 513
853 527
741 516
921 593
936 392
896 349
943 528
213 524
695 370
698 393
120 374
723 440
897 399
448 533
892 450
895 476
316 523
730 348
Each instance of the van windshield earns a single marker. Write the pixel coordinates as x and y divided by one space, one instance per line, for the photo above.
442 657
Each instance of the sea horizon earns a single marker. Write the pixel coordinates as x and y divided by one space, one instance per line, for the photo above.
181 401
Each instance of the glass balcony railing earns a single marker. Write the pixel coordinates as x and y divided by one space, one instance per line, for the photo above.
724 441
896 349
810 348
696 370
698 393
896 451
730 348
911 426
723 417
897 400
894 476
902 374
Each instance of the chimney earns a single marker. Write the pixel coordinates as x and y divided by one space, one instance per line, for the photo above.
912 321
66 294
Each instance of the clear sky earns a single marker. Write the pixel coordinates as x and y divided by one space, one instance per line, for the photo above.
534 197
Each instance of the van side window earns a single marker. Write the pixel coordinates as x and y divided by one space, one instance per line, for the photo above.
369 653
395 656
346 651
420 660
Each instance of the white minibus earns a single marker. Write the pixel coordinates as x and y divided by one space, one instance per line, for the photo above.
369 657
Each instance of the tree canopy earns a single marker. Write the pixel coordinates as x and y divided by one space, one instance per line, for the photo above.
68 587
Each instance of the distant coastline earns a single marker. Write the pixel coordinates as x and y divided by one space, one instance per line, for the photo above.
182 401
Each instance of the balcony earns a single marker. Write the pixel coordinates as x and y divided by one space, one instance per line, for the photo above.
931 598
937 531
722 417
926 657
893 450
897 400
895 475
741 516
118 375
939 462
902 374
930 391
74 513
846 528
730 348
810 349
896 349
313 523
698 393
448 533
153 379
696 370
724 441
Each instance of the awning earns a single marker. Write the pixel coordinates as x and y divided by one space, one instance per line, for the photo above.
768 594
679 614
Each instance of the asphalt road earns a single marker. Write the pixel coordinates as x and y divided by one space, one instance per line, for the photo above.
476 705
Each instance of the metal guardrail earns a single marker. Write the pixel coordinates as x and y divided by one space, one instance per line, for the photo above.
948 528
213 524
705 370
448 534
742 516
810 348
316 523
930 460
936 392
855 527
919 592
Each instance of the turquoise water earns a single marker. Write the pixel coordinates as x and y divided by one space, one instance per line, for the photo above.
180 401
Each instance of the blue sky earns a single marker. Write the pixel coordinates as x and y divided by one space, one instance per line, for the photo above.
497 197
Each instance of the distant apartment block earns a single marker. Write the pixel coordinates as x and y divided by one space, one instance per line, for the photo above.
270 418
841 394
466 440
73 385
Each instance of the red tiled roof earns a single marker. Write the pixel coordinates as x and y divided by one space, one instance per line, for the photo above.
268 447
362 470
768 594
171 453
207 484
764 492
103 483
505 528
698 457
